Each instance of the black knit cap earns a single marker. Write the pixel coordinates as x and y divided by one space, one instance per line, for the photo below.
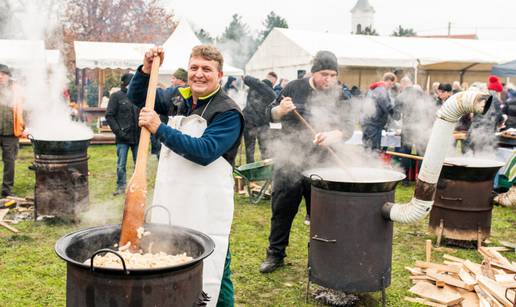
5 69
325 60
126 78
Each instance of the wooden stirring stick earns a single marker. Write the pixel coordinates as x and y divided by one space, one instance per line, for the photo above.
136 194
307 125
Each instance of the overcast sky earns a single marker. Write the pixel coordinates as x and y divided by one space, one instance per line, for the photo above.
489 19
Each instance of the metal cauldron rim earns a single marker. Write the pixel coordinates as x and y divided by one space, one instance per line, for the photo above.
366 179
65 240
472 162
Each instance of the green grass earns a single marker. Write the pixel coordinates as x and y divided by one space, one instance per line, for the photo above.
32 275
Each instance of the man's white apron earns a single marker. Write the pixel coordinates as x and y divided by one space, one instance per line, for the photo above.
198 197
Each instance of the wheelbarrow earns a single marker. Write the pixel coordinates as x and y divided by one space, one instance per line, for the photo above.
257 171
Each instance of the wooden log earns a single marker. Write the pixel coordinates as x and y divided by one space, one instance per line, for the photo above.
428 250
446 296
485 298
449 280
453 258
497 256
414 271
473 268
467 278
3 213
511 267
439 267
9 227
422 301
470 299
496 291
419 277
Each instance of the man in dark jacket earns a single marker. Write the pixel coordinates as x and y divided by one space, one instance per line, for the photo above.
259 96
382 107
122 117
321 102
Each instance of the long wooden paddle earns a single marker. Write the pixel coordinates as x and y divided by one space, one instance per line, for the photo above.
330 150
136 194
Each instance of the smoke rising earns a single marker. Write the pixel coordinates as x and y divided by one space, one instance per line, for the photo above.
43 85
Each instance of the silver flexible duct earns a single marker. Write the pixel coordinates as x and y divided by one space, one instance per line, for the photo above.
470 101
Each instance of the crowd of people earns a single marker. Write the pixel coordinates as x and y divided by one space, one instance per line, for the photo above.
200 127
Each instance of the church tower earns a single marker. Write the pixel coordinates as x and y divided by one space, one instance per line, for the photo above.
362 16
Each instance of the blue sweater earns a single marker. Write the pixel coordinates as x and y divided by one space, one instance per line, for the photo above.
220 135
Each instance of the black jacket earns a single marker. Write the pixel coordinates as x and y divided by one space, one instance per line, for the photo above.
259 96
324 111
122 118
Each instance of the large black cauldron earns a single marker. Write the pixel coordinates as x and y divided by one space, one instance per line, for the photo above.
464 200
179 285
61 169
350 241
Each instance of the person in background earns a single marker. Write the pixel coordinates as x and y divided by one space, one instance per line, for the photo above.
280 86
383 108
456 87
481 135
434 92
179 78
231 84
509 108
259 96
355 91
122 118
444 91
12 126
414 109
317 95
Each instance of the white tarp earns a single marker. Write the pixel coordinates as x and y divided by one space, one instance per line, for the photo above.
109 55
286 48
178 48
21 53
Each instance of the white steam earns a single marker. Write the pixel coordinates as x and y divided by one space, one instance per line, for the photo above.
47 115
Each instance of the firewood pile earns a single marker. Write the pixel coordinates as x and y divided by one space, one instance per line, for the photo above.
18 209
461 282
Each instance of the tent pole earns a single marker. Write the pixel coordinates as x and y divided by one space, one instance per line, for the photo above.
415 74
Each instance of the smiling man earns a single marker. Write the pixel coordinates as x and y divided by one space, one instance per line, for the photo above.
194 179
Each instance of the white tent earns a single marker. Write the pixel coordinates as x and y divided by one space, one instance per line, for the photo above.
109 55
178 48
285 51
21 53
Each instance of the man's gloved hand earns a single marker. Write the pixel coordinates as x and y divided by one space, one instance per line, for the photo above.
328 138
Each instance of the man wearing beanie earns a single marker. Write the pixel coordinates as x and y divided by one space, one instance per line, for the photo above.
122 117
11 126
321 102
373 123
179 78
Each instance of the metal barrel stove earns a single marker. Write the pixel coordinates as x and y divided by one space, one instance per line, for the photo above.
61 169
178 285
464 200
350 245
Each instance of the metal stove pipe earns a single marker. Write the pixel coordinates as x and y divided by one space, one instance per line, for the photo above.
473 100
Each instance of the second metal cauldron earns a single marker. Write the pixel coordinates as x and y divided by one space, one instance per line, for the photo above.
350 242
